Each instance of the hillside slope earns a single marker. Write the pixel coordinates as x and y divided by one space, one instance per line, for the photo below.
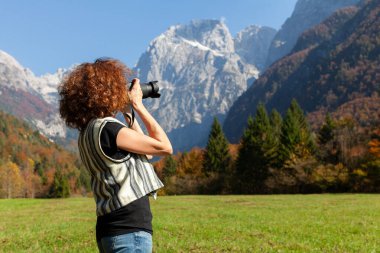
28 160
332 64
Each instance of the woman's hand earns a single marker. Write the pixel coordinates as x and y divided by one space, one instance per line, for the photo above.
157 143
135 95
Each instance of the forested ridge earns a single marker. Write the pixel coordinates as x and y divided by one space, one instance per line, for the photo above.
33 166
333 63
276 154
280 155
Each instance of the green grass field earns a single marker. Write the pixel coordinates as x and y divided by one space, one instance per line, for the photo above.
274 223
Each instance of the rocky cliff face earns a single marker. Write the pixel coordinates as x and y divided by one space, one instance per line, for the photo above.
31 98
201 74
306 14
252 44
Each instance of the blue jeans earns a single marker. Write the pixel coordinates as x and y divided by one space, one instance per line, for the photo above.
137 242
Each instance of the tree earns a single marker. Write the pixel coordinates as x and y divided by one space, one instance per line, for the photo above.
326 132
11 181
296 138
32 182
276 123
346 137
170 167
296 161
373 165
256 153
60 187
327 141
374 144
217 157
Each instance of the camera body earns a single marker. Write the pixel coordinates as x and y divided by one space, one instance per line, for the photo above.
149 89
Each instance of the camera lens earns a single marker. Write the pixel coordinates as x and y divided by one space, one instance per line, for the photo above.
150 89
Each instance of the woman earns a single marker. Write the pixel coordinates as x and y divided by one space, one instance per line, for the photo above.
114 154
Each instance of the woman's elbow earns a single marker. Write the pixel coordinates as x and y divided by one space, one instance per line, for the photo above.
168 150
163 150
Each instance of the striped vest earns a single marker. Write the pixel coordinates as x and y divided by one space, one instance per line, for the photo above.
115 183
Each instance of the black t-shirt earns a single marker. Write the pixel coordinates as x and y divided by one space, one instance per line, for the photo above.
136 216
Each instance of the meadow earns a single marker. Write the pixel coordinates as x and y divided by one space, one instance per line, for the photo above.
256 223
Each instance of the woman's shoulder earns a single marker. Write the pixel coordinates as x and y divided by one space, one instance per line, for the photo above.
104 121
100 123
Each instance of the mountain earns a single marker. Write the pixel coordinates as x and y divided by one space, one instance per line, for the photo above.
252 44
202 69
306 14
32 98
332 64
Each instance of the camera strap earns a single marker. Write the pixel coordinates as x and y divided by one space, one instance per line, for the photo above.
131 118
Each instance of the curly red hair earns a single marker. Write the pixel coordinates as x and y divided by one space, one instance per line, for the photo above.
93 90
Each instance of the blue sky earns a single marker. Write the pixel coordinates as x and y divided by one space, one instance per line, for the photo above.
44 35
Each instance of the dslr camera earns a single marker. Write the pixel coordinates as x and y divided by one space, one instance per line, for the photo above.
149 89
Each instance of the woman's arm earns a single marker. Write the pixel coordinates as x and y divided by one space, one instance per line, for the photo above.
135 126
134 140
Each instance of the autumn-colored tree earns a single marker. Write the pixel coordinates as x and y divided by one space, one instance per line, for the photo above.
32 182
374 144
36 157
190 162
372 167
11 181
189 177
346 138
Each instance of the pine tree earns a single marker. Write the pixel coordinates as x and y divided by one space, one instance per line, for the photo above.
326 132
217 157
276 123
298 113
60 187
170 167
327 151
296 138
255 153
243 162
290 135
306 137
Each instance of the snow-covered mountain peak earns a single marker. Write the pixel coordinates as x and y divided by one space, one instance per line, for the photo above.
14 76
8 60
213 34
200 75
